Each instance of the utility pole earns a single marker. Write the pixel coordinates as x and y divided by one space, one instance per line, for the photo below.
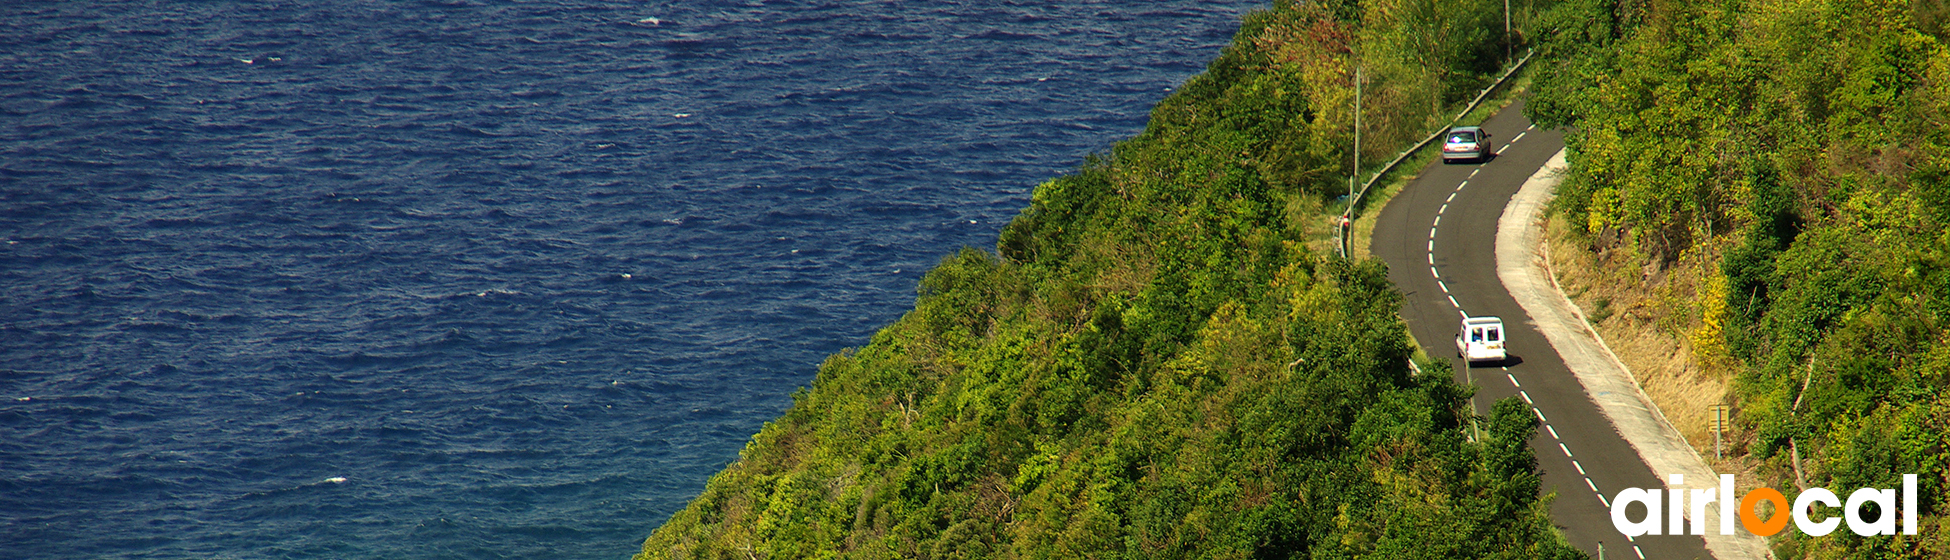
1353 177
1354 174
1506 31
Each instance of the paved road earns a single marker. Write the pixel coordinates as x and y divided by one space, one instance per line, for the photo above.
1438 237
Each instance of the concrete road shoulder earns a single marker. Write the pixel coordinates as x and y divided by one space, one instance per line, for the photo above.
1520 265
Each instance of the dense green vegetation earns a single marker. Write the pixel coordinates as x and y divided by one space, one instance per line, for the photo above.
1152 364
1805 146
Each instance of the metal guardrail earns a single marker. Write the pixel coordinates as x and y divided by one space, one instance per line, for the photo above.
1347 217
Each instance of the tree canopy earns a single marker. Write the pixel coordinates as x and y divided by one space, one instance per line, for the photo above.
1152 365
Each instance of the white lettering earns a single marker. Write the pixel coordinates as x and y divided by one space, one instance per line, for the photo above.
1803 513
1676 505
1909 504
1802 509
1728 504
1701 497
1650 526
1885 501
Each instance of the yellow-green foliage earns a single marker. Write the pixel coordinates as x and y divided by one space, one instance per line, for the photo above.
1815 132
1152 366
1709 340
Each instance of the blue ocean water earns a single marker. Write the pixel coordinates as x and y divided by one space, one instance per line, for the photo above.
488 279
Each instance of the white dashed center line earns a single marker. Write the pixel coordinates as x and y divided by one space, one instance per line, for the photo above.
1434 226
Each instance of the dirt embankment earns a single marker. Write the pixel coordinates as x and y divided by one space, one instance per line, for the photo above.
1651 317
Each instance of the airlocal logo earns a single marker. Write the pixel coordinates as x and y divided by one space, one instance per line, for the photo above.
1884 500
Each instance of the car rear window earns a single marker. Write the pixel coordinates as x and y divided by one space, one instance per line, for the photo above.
1461 137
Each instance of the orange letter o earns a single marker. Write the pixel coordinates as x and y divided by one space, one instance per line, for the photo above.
1751 520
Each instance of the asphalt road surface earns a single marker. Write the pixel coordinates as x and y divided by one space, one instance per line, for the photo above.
1438 236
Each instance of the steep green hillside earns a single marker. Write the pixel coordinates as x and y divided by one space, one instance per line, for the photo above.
1152 364
1803 148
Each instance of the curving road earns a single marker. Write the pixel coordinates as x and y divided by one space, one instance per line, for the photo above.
1438 236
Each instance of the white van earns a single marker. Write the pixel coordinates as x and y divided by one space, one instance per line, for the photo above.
1481 340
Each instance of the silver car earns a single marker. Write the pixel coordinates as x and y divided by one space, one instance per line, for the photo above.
1466 143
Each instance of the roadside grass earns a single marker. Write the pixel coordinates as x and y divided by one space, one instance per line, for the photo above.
1362 234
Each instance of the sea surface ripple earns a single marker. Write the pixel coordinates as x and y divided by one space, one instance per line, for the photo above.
488 279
